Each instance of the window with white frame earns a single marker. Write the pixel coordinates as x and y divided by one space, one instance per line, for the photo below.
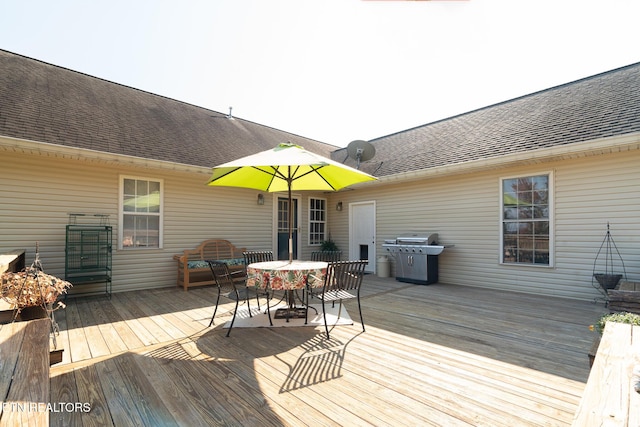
317 220
526 220
140 213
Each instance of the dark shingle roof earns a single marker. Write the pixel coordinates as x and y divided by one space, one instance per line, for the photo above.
603 105
46 103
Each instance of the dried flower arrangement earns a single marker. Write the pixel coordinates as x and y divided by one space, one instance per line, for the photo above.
31 287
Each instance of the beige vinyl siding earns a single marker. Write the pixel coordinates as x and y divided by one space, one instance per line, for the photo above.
39 191
590 193
465 210
37 194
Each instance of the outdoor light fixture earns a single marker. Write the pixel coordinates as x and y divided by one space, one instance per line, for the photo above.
339 206
260 199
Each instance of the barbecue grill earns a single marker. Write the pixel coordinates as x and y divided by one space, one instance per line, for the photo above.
416 257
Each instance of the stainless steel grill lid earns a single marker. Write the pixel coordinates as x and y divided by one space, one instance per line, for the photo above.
423 242
417 239
415 257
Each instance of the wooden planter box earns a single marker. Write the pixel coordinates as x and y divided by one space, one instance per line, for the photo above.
594 350
27 313
626 297
32 313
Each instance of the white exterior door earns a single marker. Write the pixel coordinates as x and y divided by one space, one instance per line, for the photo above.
362 233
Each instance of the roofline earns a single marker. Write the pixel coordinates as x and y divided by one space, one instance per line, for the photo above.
331 147
44 148
619 143
506 101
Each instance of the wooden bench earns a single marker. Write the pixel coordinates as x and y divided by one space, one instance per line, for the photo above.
610 397
193 269
24 373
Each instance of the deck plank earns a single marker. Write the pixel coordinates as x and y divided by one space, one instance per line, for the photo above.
113 331
11 335
122 406
136 320
190 402
296 409
30 379
97 343
431 355
318 364
64 389
145 399
167 326
79 343
194 309
90 392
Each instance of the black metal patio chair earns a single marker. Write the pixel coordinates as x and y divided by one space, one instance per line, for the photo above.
327 256
343 281
228 288
258 256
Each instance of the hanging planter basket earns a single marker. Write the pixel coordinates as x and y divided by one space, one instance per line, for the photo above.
32 293
31 287
608 281
609 278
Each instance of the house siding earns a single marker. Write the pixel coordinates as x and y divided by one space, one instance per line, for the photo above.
464 209
39 191
587 133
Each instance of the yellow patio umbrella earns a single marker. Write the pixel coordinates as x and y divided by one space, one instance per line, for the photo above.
287 167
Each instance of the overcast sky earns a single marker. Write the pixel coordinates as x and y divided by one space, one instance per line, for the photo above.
331 70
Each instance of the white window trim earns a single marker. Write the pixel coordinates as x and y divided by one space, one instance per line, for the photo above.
121 212
552 231
309 221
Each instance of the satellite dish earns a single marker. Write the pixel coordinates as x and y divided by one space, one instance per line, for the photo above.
360 151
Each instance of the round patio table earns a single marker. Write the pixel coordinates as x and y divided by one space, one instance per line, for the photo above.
287 276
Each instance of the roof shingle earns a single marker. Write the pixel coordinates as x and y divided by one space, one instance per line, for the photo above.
46 103
599 106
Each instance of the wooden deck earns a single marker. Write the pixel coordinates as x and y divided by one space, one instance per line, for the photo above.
432 355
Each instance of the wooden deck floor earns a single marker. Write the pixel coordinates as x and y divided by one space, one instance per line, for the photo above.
441 355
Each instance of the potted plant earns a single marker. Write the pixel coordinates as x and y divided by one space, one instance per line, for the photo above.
328 246
328 252
621 317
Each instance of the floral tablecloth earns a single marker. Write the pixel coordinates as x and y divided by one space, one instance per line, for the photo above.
285 275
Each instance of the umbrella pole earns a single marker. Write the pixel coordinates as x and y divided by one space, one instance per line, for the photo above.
290 222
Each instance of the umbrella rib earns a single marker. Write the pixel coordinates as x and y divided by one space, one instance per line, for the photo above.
273 174
315 169
225 174
296 160
277 173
